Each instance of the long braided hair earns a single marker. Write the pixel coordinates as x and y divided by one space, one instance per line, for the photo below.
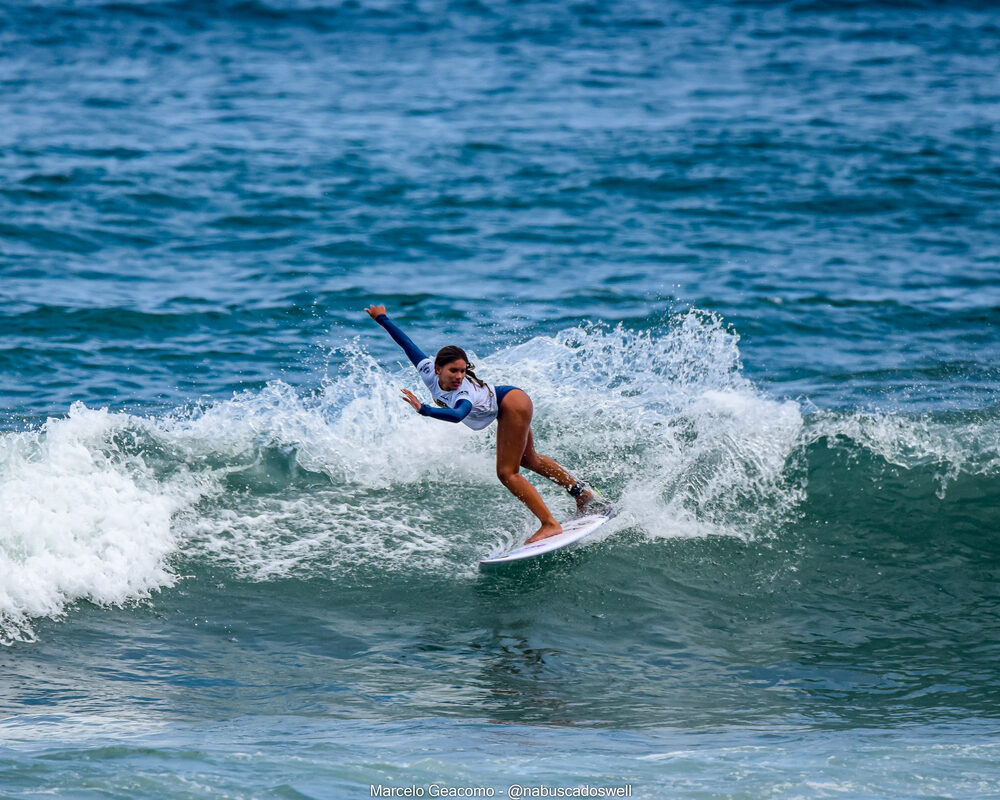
451 353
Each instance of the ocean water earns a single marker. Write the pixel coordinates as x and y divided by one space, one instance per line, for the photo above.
744 257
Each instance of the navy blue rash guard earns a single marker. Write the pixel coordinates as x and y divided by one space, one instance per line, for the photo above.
416 355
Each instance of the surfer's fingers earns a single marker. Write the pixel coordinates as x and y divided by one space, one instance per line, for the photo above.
410 398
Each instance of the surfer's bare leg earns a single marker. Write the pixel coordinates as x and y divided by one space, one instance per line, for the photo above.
513 428
548 467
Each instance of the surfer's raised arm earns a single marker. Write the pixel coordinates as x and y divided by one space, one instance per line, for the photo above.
414 353
461 409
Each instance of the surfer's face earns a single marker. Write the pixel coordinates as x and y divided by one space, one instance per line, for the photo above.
451 375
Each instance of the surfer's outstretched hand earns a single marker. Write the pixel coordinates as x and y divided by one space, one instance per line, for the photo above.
411 398
374 311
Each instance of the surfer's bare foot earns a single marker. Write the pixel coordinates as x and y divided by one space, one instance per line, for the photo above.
548 529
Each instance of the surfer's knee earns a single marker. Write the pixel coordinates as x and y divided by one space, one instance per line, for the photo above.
506 474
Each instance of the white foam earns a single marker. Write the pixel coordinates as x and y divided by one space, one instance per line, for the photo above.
75 523
663 420
322 533
666 421
952 446
283 481
355 429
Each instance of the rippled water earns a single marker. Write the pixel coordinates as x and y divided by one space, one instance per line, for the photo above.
744 258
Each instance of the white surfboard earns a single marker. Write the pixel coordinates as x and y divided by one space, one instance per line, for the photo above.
574 530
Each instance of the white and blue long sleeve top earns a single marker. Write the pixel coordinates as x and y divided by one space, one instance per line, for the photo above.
474 405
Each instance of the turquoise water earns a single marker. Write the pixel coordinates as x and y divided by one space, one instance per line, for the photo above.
745 259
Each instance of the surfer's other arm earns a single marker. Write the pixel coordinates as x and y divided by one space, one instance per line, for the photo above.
456 414
414 353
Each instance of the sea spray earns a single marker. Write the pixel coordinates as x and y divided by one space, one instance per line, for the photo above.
667 420
78 521
343 478
346 476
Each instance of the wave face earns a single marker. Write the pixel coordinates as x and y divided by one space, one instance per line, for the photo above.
343 481
279 482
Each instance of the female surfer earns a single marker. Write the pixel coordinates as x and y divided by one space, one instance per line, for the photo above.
463 397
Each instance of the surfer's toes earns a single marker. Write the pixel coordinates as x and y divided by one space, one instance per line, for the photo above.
548 529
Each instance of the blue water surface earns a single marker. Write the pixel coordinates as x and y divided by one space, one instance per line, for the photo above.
746 259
